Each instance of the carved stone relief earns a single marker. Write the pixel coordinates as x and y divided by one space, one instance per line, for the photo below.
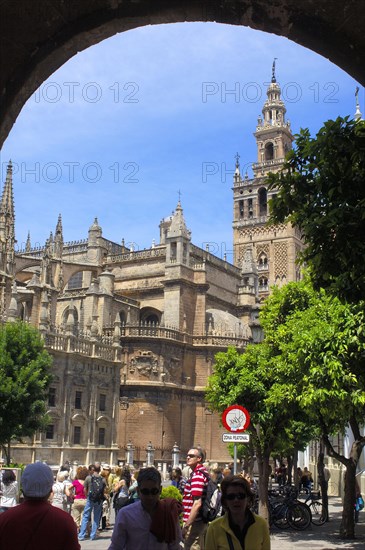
144 363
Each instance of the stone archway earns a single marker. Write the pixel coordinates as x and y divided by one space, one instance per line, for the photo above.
38 37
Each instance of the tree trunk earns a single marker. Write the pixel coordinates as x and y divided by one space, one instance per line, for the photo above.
251 460
289 460
6 450
263 463
323 484
295 468
347 528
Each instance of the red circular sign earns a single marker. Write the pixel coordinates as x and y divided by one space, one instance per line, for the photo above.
236 418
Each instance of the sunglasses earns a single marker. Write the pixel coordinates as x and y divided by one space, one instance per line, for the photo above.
238 496
148 492
192 456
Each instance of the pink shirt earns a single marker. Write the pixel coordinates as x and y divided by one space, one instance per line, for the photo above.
79 490
132 531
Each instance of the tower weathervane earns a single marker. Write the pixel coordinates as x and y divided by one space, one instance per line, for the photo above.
273 77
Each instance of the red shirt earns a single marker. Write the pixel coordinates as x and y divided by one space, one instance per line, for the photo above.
37 525
194 487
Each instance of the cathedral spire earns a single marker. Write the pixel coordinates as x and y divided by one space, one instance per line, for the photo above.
58 238
178 224
7 223
7 199
358 115
28 245
273 134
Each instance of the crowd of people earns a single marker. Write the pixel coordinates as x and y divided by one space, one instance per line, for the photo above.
75 505
59 512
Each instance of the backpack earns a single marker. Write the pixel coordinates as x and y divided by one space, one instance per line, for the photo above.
96 490
211 505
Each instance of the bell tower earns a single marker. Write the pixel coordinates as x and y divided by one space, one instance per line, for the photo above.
274 248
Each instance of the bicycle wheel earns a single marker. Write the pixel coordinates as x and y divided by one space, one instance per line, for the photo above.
319 512
298 516
278 516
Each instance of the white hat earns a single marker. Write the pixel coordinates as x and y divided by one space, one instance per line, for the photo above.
106 467
37 480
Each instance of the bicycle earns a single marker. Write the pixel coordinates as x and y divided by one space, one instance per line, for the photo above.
286 511
319 514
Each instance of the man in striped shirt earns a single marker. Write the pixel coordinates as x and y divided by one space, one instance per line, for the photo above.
194 528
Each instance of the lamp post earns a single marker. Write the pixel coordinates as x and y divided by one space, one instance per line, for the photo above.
150 454
130 452
175 455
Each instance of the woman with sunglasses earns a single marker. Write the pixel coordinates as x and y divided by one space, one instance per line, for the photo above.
238 528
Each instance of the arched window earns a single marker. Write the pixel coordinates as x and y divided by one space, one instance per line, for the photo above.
263 284
150 316
75 281
263 262
122 317
269 151
66 313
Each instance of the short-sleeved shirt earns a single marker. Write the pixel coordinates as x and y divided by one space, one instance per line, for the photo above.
87 483
194 488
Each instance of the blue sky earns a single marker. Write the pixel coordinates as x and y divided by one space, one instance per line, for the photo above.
124 126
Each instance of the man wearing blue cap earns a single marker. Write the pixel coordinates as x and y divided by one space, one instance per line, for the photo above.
36 524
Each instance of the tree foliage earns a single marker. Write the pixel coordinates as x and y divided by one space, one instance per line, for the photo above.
321 191
24 379
325 343
253 380
305 379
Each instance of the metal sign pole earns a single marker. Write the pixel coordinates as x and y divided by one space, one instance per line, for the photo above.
235 458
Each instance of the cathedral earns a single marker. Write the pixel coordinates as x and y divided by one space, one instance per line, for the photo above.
133 334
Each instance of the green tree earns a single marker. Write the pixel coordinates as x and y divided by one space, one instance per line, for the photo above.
321 191
251 379
310 367
24 379
321 344
326 343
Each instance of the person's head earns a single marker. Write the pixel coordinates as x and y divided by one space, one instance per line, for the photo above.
61 476
91 468
149 487
106 470
8 477
176 473
126 475
236 494
215 474
97 468
194 457
37 481
104 473
65 466
226 472
82 472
